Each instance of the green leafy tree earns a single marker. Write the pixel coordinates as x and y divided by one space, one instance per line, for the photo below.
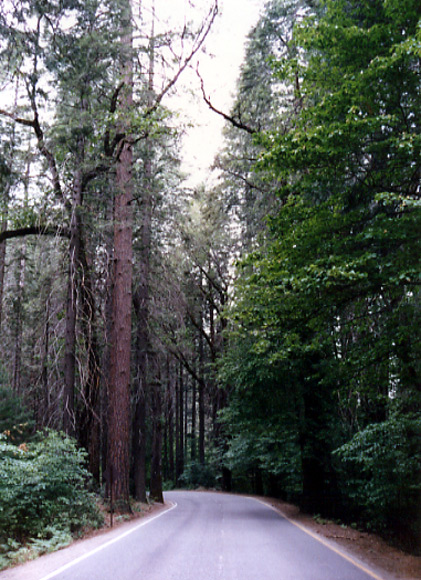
331 302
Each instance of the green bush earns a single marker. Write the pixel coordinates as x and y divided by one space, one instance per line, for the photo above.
379 470
43 486
197 475
16 420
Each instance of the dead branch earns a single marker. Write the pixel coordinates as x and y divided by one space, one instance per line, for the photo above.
33 231
235 122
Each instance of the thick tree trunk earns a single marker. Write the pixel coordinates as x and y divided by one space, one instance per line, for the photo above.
118 464
141 303
142 310
119 385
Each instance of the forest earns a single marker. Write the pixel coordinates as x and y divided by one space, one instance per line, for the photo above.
258 333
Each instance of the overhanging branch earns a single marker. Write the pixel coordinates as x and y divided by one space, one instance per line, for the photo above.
34 231
235 122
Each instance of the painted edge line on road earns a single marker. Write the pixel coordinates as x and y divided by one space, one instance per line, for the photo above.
106 545
321 540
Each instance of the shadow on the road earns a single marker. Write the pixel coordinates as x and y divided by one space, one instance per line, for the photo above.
255 513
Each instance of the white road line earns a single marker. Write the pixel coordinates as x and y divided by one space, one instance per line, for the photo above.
321 540
103 546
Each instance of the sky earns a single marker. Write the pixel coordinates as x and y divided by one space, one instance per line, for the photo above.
219 68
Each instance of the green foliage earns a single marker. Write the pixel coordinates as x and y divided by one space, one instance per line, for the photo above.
324 350
13 552
16 420
43 487
380 474
197 475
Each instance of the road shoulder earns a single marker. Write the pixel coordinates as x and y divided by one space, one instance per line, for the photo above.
42 567
365 547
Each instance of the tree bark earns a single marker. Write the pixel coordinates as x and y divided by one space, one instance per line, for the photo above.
179 443
3 228
69 421
201 396
45 359
119 385
156 462
139 419
89 420
193 421
141 302
17 361
171 397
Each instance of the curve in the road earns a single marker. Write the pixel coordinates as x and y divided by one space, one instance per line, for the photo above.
208 536
324 542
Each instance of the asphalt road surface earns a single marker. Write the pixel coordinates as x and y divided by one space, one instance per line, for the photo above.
210 536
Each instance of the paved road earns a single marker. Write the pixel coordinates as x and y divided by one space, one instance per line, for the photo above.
212 536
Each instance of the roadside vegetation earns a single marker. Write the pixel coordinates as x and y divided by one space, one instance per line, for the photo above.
258 332
46 497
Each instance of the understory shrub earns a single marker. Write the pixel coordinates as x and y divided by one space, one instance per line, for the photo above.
380 473
16 419
197 475
43 490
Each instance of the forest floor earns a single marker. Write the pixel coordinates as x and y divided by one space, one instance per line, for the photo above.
366 547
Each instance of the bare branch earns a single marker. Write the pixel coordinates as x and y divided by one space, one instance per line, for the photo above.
34 231
235 122
201 37
237 175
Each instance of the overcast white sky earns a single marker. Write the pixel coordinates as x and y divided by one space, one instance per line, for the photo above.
219 69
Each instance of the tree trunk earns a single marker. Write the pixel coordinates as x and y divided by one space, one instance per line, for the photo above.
17 361
5 210
139 419
3 228
156 462
45 358
69 422
193 422
186 417
179 447
171 397
141 302
119 385
108 328
201 397
89 420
